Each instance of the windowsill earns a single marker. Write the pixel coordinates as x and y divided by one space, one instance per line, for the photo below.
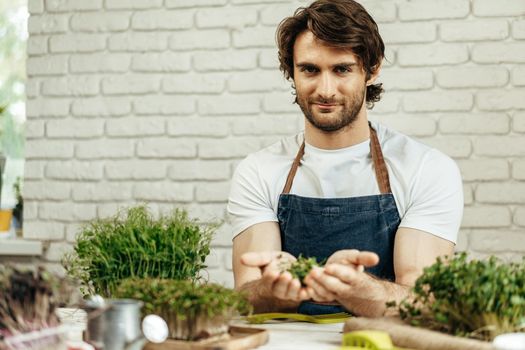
20 247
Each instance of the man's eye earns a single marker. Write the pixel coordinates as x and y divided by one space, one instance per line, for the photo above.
342 70
309 69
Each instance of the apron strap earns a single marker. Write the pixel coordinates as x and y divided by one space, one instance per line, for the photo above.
381 171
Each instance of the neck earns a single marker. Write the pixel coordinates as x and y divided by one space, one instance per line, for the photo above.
350 135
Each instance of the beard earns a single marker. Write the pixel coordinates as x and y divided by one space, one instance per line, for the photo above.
334 120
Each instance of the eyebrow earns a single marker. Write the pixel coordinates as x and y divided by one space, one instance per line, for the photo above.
341 64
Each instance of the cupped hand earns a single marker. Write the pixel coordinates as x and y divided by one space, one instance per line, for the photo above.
280 284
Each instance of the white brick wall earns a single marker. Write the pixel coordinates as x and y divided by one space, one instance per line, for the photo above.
151 100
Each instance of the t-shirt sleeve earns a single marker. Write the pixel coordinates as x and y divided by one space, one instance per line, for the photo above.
248 202
436 198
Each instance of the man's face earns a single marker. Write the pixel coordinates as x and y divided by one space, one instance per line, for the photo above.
330 83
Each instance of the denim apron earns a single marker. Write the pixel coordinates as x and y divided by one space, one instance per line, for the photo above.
318 227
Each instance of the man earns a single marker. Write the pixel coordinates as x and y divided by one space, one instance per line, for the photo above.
378 205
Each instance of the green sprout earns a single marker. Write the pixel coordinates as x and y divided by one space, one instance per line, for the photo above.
300 268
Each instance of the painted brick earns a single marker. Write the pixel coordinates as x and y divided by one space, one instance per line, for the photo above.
130 84
225 60
501 193
34 169
410 125
34 129
223 236
101 106
142 42
35 6
65 211
47 24
433 9
519 216
430 55
518 122
71 86
466 77
501 52
272 14
254 37
462 242
454 146
201 39
193 3
500 146
74 170
212 192
136 170
399 33
30 210
194 83
77 43
199 170
100 21
46 190
166 148
255 81
229 105
135 126
32 88
198 127
104 148
518 169
161 62
498 241
132 4
47 107
486 216
518 76
47 65
108 209
166 105
207 213
72 5
406 79
75 128
102 192
468 194
474 123
484 169
268 59
162 20
389 104
99 62
169 192
46 149
279 102
498 100
500 8
267 125
56 251
48 231
229 17
242 2
381 11
36 45
438 101
227 148
518 29
474 30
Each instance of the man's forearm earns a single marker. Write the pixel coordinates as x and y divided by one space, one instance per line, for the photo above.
263 301
373 303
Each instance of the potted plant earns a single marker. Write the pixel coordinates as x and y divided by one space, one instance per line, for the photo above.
135 244
191 310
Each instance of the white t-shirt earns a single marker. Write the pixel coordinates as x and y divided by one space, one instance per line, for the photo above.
426 183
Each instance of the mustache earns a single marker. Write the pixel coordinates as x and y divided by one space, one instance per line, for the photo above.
327 101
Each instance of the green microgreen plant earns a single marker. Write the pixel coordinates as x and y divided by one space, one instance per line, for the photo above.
300 268
185 301
476 298
135 244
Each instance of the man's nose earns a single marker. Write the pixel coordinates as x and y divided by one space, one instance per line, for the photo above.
327 86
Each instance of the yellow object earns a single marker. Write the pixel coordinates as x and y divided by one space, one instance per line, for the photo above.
368 339
323 319
5 219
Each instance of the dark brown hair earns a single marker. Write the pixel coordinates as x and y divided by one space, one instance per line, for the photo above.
338 23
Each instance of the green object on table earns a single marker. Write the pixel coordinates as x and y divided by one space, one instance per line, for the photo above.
368 339
323 319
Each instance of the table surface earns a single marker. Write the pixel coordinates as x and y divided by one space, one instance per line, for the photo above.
283 335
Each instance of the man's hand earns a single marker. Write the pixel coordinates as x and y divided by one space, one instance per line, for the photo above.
279 284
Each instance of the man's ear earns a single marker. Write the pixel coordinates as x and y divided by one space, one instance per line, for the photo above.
376 70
